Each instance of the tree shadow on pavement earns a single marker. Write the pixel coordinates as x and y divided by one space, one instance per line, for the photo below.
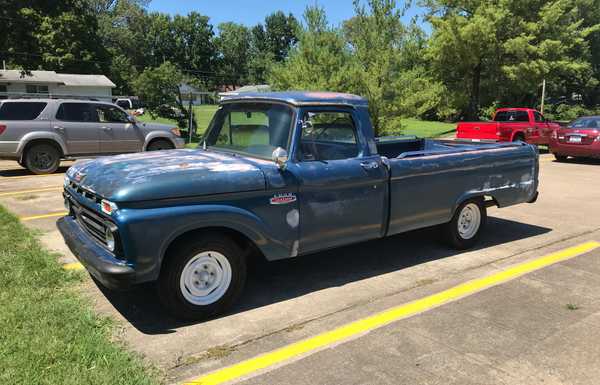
272 282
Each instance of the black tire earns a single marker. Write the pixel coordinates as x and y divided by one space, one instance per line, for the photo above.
42 158
519 137
169 286
160 144
560 158
451 232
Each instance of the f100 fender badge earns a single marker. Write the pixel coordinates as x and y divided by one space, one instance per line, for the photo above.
283 199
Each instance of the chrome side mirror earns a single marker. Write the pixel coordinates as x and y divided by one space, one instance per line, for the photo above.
280 157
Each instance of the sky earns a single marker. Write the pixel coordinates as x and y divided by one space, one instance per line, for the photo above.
251 12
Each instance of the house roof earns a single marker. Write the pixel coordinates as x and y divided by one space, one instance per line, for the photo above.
18 76
301 97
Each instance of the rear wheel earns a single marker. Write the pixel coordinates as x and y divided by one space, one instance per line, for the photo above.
42 158
202 278
561 158
463 231
160 144
519 138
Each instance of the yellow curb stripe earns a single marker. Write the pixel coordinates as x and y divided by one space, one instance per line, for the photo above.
50 215
73 266
252 365
22 192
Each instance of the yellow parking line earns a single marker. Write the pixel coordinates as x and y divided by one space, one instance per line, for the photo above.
73 266
356 328
8 178
49 215
22 192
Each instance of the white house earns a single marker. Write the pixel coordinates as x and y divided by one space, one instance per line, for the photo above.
16 83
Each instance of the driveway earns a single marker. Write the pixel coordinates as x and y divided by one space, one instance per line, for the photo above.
539 327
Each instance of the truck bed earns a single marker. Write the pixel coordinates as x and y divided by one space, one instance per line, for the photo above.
429 178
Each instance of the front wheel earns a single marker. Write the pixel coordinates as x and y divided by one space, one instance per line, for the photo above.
463 231
202 278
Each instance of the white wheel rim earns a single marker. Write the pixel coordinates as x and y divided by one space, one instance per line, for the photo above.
205 278
469 221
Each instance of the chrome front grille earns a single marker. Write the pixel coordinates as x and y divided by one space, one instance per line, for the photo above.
84 193
91 222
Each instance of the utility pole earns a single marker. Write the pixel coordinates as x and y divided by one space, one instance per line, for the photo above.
543 96
4 64
191 122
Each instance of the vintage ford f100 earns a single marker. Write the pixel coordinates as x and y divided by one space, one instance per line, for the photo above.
278 175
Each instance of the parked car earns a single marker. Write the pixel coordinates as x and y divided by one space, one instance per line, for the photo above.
279 175
581 139
38 133
510 125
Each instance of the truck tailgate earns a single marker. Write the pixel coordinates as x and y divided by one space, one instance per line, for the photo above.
477 130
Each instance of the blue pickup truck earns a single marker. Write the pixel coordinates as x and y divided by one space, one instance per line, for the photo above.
279 175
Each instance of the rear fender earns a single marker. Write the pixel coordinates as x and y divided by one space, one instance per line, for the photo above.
157 135
50 136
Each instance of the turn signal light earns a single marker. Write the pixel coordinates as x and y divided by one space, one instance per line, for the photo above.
2 128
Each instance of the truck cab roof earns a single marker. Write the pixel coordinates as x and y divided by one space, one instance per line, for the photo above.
299 98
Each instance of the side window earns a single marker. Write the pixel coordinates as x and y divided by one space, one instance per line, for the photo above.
110 114
21 110
328 136
538 117
75 112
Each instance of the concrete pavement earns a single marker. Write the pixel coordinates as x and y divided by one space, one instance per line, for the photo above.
486 338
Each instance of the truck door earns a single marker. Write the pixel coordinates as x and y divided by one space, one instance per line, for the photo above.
342 187
543 128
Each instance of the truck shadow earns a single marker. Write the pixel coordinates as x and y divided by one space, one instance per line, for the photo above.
272 282
24 172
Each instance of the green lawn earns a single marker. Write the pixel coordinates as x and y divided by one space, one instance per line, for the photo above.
426 129
203 115
48 333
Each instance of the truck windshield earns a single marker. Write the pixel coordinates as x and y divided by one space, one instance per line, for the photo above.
250 128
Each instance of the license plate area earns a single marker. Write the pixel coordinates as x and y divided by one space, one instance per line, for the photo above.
574 139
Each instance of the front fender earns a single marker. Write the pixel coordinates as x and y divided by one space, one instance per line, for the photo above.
147 233
27 138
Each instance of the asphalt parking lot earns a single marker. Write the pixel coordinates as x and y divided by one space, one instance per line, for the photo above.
541 326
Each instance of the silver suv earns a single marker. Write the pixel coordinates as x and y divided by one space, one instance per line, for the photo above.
38 133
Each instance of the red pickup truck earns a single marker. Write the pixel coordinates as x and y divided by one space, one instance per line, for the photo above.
508 125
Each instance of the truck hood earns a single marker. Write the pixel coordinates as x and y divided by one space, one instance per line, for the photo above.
167 174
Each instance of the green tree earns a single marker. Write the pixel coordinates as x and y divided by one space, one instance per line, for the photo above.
159 89
320 61
233 45
51 35
375 35
500 51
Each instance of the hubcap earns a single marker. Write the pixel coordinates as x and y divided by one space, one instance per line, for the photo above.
469 221
205 278
42 160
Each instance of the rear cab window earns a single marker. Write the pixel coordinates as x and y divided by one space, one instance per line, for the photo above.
511 116
21 110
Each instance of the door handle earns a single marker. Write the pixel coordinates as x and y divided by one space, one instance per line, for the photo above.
369 165
59 128
106 128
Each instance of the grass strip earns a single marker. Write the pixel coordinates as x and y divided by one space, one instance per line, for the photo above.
48 333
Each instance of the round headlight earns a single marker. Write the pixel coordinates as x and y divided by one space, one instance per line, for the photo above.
110 239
